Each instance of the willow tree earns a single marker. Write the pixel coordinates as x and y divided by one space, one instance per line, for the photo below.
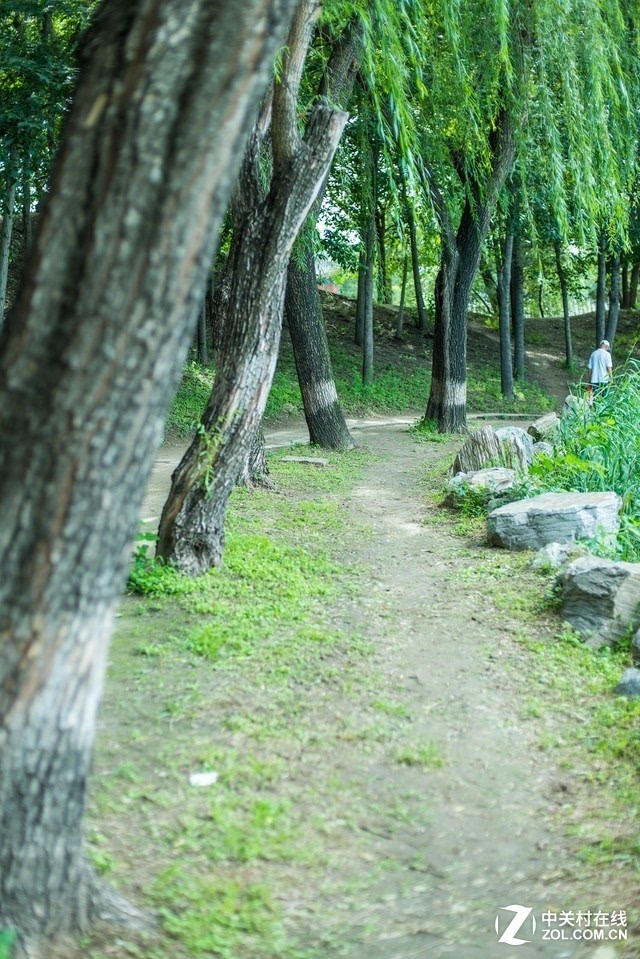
547 80
89 357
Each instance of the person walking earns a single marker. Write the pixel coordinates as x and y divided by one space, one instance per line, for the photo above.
600 369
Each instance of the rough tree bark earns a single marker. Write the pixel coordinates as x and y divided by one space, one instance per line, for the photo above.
322 410
458 266
191 533
88 360
504 316
517 309
601 289
303 309
564 290
358 335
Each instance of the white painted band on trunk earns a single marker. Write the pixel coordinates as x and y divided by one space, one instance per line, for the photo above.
320 395
455 394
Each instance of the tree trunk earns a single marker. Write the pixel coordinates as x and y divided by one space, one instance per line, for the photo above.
540 297
403 291
625 285
385 292
191 533
89 357
633 286
458 266
27 230
367 347
322 410
614 300
323 413
7 229
601 289
562 279
415 266
358 338
504 314
517 309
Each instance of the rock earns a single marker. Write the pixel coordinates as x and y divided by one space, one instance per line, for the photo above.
635 648
544 427
600 597
517 433
496 480
542 447
552 556
553 518
629 684
485 448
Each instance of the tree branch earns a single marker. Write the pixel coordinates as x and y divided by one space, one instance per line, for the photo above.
284 133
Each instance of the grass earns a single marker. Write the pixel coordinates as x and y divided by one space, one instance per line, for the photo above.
244 673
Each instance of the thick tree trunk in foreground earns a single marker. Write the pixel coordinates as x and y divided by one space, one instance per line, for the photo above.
504 318
564 289
601 290
88 360
191 533
614 300
517 309
325 420
458 266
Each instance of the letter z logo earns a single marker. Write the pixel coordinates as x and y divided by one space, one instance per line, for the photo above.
522 913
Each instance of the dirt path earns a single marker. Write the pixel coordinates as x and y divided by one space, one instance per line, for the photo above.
474 830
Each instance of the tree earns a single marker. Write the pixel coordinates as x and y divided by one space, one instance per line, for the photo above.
266 224
88 360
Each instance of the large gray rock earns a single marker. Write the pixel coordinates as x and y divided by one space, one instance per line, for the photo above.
544 427
629 684
600 597
493 482
485 449
542 447
517 433
553 518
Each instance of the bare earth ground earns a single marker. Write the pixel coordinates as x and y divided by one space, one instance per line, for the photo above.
420 857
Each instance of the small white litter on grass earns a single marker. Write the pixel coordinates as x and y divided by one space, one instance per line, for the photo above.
203 779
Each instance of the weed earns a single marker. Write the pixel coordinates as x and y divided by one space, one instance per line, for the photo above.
426 754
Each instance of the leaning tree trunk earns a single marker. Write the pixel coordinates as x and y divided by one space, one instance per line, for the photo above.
459 263
191 533
601 289
322 410
6 230
633 285
517 309
564 289
614 300
504 318
88 360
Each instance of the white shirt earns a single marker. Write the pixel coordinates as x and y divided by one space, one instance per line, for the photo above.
600 365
